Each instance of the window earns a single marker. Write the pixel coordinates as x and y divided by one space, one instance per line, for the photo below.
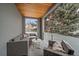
31 25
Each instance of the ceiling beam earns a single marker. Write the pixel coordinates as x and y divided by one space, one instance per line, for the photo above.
53 4
51 10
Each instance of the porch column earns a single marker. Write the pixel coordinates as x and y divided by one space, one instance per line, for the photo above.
40 28
23 26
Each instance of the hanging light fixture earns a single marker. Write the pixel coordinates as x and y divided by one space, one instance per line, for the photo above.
77 11
47 19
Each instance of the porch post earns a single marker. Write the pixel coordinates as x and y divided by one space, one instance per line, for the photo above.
23 26
40 28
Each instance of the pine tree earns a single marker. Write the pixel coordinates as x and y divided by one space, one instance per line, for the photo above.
64 19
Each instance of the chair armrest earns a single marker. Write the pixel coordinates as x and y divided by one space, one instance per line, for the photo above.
50 52
67 48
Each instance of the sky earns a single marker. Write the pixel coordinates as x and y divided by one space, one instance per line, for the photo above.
28 20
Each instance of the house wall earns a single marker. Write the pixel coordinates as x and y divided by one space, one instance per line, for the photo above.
74 42
10 25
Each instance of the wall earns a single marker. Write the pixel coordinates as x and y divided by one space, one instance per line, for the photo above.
10 25
74 42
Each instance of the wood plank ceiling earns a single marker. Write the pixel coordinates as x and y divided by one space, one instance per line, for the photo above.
34 10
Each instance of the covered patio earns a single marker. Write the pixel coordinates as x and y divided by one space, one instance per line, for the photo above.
39 29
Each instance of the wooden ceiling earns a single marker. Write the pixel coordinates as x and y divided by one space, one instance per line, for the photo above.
34 10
